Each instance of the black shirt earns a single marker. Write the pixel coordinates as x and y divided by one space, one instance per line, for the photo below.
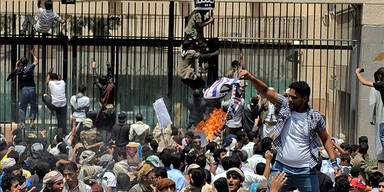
380 87
325 182
196 106
249 116
26 76
120 134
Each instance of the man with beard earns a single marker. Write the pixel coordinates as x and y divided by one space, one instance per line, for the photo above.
296 132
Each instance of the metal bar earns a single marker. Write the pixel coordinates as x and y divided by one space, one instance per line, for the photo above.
170 51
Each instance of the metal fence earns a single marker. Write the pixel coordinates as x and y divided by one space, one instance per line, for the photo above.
282 42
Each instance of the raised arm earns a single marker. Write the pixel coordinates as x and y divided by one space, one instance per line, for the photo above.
95 75
35 59
361 79
48 76
39 4
260 86
202 24
242 64
109 71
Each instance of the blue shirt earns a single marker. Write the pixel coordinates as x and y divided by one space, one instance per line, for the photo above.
177 176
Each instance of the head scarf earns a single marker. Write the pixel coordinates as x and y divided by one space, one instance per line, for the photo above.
163 183
7 163
20 149
87 123
237 170
86 156
143 171
52 177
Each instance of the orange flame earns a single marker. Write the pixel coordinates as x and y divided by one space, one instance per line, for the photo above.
213 124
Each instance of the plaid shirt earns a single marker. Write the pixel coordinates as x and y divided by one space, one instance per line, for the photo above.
315 122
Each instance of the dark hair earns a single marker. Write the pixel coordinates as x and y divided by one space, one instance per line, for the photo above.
355 171
196 137
7 180
252 135
238 154
226 163
154 145
119 151
376 76
374 178
302 88
160 172
239 134
189 134
198 177
201 160
190 158
166 158
42 168
54 76
235 161
380 71
147 151
14 155
363 139
208 176
70 167
186 44
345 146
216 154
255 100
9 170
24 61
211 146
139 117
123 182
18 140
235 63
354 148
260 167
177 159
266 144
62 148
221 184
82 88
363 148
341 184
48 5
345 157
258 149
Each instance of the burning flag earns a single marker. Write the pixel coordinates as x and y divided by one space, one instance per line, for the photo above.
213 124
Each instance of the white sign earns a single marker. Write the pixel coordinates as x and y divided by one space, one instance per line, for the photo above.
204 4
162 113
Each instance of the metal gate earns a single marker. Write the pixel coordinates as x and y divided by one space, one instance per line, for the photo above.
281 42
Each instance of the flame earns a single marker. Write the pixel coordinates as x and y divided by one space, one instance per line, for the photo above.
213 124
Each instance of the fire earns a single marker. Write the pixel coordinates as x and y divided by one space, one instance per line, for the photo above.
213 124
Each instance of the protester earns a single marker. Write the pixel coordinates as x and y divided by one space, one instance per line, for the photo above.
27 86
139 131
120 131
45 20
57 102
80 104
296 148
70 173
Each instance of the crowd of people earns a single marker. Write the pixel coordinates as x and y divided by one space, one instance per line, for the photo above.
275 142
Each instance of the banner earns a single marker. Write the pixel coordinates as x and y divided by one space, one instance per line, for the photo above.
204 4
162 113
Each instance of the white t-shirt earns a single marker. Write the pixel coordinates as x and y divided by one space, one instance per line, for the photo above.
109 180
57 89
295 142
219 169
255 159
79 104
45 20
